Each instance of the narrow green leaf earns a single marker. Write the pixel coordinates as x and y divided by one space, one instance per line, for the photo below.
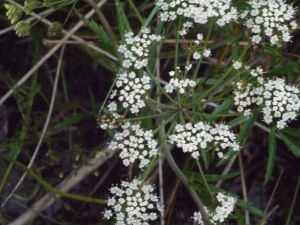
237 121
123 24
239 217
97 29
292 132
225 41
209 177
221 109
272 154
204 195
205 158
67 106
293 145
69 121
242 136
52 189
248 206
105 42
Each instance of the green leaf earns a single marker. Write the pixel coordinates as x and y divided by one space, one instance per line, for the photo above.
205 157
242 136
203 194
205 197
193 176
248 206
97 29
272 154
239 217
67 106
237 121
292 132
225 41
105 42
69 121
221 109
293 145
123 24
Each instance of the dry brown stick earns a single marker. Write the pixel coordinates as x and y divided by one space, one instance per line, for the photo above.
47 41
68 183
45 125
50 53
33 17
47 22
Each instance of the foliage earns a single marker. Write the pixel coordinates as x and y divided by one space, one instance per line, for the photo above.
181 82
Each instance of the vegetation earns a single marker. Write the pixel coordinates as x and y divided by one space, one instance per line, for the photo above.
149 112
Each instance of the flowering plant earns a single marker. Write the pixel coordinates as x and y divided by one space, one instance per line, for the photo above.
178 87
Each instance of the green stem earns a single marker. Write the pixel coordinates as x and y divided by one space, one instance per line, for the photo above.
160 87
136 11
288 221
205 45
108 94
107 28
204 180
50 188
171 107
180 175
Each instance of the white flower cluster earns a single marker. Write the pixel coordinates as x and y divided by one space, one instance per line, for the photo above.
179 84
135 143
280 101
136 49
191 138
220 213
132 203
206 53
270 17
198 11
132 90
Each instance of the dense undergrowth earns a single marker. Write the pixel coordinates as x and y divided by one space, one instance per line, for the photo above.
195 118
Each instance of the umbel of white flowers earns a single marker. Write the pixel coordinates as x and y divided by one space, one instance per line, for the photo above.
133 203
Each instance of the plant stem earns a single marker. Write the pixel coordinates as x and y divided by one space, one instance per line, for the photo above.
202 175
182 177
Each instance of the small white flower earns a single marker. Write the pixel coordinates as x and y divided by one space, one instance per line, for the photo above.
207 53
196 55
180 85
237 64
172 73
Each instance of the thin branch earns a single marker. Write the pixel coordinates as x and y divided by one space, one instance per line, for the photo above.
241 43
50 53
182 178
45 125
47 22
161 158
244 189
11 28
75 177
47 41
106 26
